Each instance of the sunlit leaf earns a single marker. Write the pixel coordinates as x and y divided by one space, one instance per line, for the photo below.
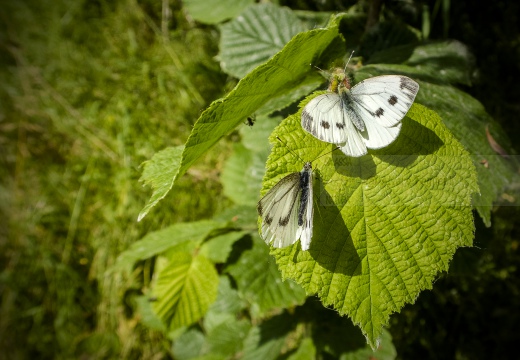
215 11
259 280
185 288
256 35
157 242
159 173
282 73
385 224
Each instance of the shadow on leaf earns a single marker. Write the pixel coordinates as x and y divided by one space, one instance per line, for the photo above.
332 246
413 141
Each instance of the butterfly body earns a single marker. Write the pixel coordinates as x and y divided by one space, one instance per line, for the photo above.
365 116
287 210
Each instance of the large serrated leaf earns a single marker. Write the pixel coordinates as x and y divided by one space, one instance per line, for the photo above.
259 281
185 288
279 75
159 173
385 224
215 11
253 37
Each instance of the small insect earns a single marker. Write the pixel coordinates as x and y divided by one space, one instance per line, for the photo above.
366 116
287 210
250 121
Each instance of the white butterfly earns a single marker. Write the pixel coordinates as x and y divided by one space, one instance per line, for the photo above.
367 116
287 210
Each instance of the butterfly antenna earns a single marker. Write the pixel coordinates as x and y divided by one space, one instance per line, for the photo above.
292 152
336 148
352 53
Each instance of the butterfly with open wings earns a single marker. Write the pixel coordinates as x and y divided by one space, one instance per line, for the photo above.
366 116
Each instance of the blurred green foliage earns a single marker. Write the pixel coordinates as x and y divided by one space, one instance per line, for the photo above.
91 89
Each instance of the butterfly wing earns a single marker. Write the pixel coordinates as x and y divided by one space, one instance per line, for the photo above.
385 99
377 136
279 212
328 118
323 117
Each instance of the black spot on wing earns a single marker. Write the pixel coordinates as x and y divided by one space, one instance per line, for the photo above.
393 100
268 220
260 208
340 125
325 124
307 119
409 85
284 220
379 112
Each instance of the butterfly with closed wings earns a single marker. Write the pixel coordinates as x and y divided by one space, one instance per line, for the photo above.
366 116
287 209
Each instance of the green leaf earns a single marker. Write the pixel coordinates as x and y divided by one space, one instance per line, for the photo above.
188 345
336 336
242 175
257 34
258 279
285 71
447 61
215 11
385 224
265 342
218 248
227 338
313 19
306 351
385 35
385 350
160 241
159 173
239 216
280 102
185 288
467 120
226 306
148 317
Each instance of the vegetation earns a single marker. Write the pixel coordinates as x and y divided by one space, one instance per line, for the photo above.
101 97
